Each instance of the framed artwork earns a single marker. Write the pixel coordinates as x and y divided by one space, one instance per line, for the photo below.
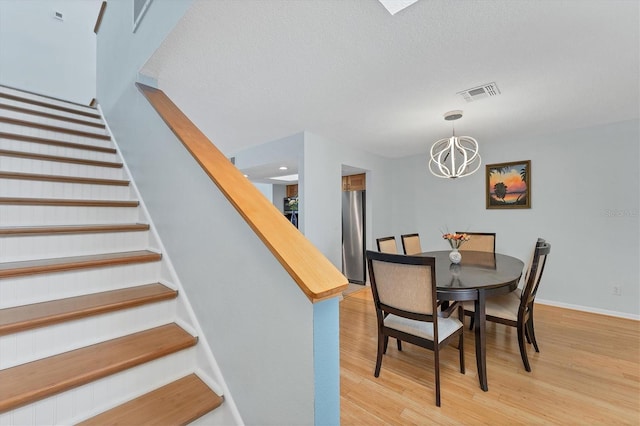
509 185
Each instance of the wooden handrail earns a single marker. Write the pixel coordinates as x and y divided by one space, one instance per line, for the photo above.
311 270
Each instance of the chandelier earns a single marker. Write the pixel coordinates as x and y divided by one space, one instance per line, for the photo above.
456 156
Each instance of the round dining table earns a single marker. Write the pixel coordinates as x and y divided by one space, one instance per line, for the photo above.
478 275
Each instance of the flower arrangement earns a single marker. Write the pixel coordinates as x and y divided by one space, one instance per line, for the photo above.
456 240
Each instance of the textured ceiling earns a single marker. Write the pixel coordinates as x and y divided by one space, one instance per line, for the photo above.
249 72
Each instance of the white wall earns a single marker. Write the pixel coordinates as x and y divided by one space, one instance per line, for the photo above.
585 189
45 55
265 189
323 188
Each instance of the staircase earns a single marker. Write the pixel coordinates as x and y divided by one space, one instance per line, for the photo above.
93 328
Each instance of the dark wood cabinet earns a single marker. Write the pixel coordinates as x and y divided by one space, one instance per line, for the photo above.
354 182
292 190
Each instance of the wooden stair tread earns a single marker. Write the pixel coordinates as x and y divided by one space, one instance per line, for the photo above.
178 403
20 318
51 116
48 127
26 383
48 105
67 202
39 266
64 179
60 159
55 142
71 229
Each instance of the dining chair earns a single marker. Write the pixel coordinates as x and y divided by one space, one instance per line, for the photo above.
515 309
404 294
479 241
387 245
411 244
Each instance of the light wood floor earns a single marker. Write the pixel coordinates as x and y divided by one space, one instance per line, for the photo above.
587 373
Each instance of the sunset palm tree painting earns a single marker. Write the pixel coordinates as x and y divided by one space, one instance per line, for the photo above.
508 185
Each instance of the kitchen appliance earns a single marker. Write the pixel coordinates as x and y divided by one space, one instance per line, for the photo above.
290 209
353 240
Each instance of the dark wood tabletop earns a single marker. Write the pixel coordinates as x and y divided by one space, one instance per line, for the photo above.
495 273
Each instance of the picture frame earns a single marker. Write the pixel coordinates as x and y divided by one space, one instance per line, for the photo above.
508 185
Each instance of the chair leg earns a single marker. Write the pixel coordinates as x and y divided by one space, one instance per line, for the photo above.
461 352
399 344
436 362
532 334
382 347
523 349
461 339
471 322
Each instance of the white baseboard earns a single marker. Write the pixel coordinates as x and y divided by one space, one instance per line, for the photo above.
589 309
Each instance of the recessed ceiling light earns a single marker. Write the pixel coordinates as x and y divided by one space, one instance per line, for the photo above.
284 168
395 6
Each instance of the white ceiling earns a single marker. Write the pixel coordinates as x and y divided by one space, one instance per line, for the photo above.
249 72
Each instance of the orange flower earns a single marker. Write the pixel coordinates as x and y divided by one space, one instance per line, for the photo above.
456 240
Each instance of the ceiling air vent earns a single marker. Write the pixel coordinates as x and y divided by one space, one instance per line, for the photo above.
58 15
480 92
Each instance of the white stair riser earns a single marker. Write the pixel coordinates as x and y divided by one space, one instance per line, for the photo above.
48 134
47 110
60 151
49 189
30 345
18 248
39 98
86 401
26 165
220 416
13 215
18 291
31 118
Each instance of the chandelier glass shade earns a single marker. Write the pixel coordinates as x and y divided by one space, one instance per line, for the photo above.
454 157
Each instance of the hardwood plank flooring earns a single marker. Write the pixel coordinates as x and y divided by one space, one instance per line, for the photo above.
587 373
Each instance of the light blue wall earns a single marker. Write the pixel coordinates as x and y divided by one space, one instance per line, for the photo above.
326 360
585 189
259 323
45 55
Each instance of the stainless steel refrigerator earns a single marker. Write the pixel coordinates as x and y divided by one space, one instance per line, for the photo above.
353 241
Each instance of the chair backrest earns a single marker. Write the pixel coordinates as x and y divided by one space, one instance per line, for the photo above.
534 274
387 245
526 275
403 285
479 241
411 244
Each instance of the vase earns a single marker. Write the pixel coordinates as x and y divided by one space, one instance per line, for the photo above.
455 256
